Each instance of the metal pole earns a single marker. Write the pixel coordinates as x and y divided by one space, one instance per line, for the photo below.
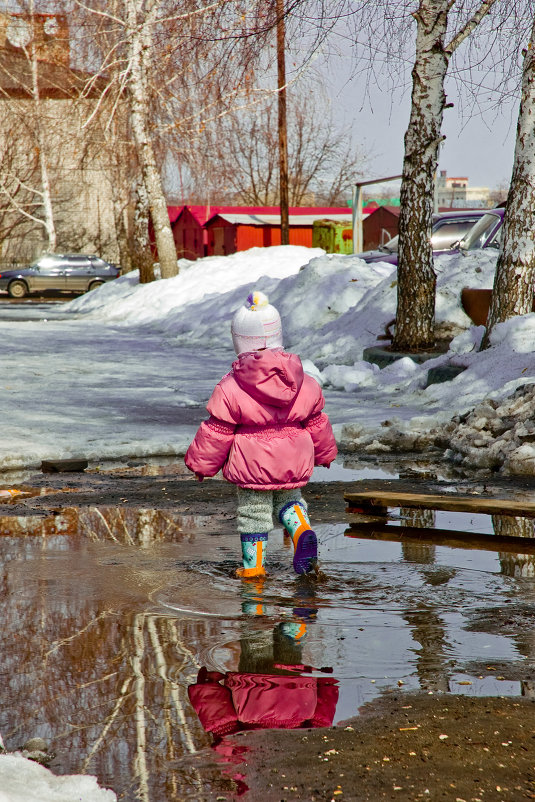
357 215
283 137
358 233
354 218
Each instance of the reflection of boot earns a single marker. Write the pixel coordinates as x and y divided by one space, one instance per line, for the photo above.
288 637
254 555
252 597
296 630
305 597
295 520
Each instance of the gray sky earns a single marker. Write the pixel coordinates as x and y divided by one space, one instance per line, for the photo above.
372 94
479 147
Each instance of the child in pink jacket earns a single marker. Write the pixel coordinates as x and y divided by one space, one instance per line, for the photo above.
267 431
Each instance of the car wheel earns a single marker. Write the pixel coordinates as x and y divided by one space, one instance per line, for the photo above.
17 289
94 285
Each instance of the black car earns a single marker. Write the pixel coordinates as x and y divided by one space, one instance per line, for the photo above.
58 272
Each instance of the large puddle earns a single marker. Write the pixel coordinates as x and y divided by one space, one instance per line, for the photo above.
114 618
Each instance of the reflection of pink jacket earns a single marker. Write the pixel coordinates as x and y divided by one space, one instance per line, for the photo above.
230 702
266 427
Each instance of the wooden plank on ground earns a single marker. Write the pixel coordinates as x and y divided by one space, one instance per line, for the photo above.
441 537
376 501
64 465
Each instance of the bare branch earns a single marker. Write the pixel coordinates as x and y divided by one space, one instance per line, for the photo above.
98 12
109 723
470 26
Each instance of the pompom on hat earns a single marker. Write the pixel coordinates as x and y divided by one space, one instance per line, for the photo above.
256 325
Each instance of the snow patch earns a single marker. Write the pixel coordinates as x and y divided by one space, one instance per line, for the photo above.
23 780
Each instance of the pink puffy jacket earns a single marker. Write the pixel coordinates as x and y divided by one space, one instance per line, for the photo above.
266 427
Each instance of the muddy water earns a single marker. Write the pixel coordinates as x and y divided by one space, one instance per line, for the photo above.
109 615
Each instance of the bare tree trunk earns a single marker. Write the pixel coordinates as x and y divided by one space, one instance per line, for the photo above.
415 318
515 271
515 564
140 251
121 172
140 42
283 135
46 195
137 657
121 234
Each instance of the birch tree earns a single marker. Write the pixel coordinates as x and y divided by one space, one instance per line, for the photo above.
141 16
515 270
140 249
177 66
124 43
415 317
33 120
48 214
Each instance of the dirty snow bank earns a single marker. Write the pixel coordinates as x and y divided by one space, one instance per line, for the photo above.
128 302
157 350
344 340
494 426
496 435
499 432
333 306
309 288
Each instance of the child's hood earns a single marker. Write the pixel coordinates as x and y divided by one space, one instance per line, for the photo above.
272 376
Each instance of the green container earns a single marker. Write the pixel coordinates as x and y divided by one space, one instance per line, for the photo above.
333 237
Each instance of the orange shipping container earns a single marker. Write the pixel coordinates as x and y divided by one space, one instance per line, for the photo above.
228 233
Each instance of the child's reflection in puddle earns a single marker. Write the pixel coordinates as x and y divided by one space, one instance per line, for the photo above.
272 688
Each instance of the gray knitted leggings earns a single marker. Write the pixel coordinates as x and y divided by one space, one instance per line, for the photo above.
256 508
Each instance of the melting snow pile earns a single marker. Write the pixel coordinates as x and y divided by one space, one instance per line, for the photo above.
161 346
334 306
23 780
494 427
496 435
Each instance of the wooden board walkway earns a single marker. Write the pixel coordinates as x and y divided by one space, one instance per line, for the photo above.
441 537
377 502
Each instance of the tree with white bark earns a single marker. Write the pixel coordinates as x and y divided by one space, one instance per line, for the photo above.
177 66
140 22
33 120
57 182
435 45
515 270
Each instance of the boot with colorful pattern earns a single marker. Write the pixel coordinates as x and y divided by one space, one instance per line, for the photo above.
295 520
254 555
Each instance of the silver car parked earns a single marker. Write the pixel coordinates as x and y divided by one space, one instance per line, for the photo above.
60 273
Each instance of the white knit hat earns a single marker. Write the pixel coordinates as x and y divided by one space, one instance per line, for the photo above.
256 325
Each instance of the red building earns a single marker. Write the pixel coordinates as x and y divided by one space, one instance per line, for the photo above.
188 233
379 226
208 230
229 232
